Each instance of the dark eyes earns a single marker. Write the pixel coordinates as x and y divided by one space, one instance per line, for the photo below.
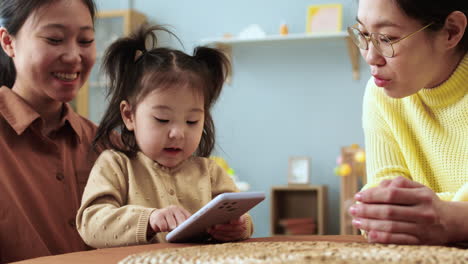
164 121
161 120
365 34
56 41
87 42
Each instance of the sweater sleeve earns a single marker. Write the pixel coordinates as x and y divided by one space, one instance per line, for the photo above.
384 157
104 218
221 182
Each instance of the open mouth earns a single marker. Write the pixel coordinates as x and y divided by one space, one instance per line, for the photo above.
67 77
173 150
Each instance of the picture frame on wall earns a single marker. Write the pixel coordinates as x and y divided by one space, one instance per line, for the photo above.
325 18
299 170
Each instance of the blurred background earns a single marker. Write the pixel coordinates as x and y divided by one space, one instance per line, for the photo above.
293 95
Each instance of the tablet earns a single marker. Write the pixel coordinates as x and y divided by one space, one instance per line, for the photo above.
222 209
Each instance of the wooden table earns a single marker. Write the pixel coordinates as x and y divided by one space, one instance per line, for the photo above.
113 255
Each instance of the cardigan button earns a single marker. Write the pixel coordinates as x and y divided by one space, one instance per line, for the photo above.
171 192
59 176
72 223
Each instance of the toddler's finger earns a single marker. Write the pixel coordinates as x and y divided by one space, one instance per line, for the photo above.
180 217
186 213
171 221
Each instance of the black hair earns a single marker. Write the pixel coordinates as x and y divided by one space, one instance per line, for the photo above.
435 11
13 14
134 71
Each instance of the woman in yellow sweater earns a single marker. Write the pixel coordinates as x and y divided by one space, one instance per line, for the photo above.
415 119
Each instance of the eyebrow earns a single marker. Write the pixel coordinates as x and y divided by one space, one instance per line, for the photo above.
381 23
60 26
165 107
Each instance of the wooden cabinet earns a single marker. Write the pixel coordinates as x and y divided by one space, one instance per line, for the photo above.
298 202
109 25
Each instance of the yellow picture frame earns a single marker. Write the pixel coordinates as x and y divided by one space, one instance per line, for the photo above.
325 18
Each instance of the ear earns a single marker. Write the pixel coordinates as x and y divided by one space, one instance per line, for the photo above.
455 25
127 115
6 40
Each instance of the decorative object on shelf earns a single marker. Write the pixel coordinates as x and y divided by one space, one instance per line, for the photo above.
227 36
253 31
324 18
283 30
351 167
241 185
299 170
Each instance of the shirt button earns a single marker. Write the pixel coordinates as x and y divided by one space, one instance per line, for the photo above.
59 176
72 223
171 192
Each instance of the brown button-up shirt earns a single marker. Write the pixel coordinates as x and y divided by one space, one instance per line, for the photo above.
42 179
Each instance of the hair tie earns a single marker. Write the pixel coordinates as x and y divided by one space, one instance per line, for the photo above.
138 55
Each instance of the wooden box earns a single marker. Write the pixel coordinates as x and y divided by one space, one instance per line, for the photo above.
301 201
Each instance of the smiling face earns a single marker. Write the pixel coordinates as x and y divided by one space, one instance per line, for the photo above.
167 123
418 60
54 52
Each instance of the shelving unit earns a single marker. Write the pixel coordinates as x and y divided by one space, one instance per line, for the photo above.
226 44
298 201
349 186
109 25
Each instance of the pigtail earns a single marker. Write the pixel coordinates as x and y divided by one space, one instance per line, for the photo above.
215 70
123 66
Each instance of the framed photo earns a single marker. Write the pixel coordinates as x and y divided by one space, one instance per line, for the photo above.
324 18
299 170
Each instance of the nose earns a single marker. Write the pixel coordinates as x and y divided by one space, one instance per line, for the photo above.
176 132
72 54
372 56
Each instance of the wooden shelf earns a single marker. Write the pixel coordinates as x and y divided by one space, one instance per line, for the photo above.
289 37
298 201
227 43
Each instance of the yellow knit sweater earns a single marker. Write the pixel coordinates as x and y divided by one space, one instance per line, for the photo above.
122 192
423 137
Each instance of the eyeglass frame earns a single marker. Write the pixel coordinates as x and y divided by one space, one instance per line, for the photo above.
369 38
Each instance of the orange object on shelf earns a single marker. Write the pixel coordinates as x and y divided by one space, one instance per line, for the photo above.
283 29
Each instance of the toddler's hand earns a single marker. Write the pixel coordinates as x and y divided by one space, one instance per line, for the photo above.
167 219
234 230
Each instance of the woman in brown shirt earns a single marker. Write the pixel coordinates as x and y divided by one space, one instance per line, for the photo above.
47 54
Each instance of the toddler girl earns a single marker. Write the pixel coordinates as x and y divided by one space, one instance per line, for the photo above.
160 174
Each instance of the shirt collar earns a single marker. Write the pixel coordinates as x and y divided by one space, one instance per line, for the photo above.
20 115
16 111
73 119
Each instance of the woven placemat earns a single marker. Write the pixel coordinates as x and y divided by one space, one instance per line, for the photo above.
301 252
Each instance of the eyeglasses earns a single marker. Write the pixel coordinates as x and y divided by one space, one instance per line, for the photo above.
381 42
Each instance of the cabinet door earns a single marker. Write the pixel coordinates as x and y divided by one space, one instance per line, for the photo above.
108 29
91 101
